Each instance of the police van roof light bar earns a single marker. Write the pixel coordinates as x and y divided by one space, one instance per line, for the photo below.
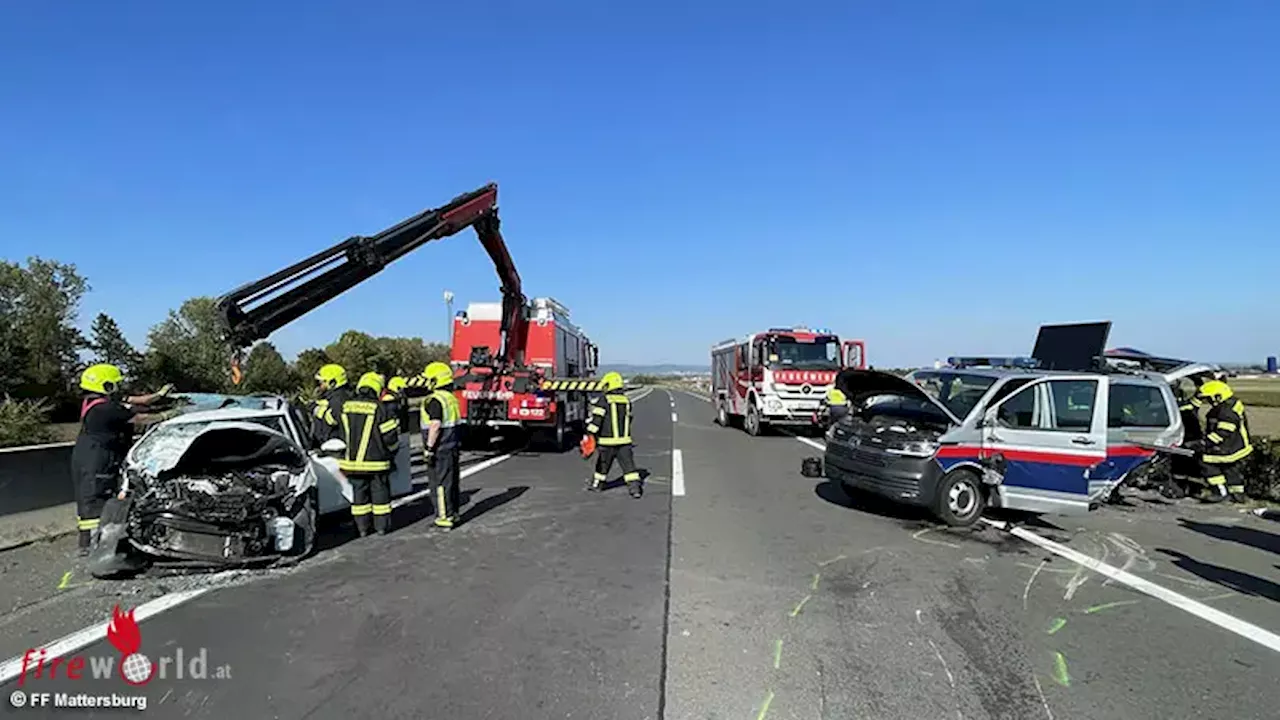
1025 363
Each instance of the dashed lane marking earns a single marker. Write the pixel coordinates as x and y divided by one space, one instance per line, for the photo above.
677 473
1230 623
674 418
11 668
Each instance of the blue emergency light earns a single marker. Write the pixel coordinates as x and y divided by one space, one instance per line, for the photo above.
1025 363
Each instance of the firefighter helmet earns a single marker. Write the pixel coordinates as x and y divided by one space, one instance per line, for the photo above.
332 376
101 378
371 380
1215 390
611 381
397 384
439 375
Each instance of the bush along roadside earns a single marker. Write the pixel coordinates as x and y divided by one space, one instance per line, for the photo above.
1262 470
24 422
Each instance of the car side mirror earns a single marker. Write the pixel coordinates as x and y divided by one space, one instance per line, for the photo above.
333 446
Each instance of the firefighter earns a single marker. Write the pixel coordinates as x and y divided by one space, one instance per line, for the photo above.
837 405
397 387
441 446
107 419
372 435
1226 443
610 425
334 391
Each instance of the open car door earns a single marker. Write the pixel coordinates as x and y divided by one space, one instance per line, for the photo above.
1046 439
855 354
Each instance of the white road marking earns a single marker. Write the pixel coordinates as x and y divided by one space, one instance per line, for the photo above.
1230 623
696 395
677 473
1209 614
466 473
12 668
674 418
810 442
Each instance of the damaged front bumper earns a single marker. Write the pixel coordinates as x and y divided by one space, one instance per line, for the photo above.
236 495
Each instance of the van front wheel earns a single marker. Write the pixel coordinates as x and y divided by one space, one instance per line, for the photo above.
960 499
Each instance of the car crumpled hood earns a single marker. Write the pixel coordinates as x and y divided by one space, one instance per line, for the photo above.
214 448
861 385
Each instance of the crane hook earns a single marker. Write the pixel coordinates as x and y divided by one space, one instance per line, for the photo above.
236 373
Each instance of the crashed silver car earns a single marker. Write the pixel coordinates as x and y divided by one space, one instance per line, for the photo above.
202 493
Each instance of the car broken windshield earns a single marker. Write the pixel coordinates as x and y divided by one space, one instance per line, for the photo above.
822 354
959 392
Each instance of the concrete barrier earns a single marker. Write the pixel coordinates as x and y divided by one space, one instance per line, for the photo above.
37 500
35 478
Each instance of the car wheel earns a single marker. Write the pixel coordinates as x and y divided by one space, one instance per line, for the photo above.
960 500
753 421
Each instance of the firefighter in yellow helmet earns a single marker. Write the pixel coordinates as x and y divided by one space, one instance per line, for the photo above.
372 434
837 406
397 392
610 425
441 445
107 420
334 390
1226 442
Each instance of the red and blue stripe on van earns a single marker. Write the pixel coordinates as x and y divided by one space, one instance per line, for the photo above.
1047 469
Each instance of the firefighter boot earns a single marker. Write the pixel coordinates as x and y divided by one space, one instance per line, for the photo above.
364 525
1215 494
446 523
636 489
381 524
596 483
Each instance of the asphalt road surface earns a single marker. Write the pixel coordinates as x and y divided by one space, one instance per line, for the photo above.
735 588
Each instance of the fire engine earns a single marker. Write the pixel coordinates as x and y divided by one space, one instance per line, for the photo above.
778 377
505 353
554 346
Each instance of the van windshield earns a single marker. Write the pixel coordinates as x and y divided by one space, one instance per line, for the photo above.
959 392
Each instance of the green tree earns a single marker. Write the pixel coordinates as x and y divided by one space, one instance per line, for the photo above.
307 364
109 345
359 353
409 356
267 372
39 306
187 349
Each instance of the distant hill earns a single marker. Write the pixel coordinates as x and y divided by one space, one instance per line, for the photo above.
654 369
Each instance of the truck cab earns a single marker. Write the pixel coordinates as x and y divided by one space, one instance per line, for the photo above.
779 377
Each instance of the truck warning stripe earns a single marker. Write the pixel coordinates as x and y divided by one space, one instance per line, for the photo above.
571 385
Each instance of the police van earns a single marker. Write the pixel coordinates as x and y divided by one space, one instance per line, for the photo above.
1052 433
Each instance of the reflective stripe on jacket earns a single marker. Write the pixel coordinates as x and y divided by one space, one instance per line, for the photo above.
1227 433
610 419
449 421
372 434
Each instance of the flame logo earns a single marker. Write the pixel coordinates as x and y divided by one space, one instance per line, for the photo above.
123 632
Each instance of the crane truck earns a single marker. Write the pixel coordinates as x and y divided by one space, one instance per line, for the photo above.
494 366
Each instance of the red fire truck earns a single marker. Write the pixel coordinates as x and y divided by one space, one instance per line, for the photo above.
515 362
554 348
779 376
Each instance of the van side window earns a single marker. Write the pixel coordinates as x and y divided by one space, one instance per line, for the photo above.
1005 391
1019 411
1073 404
1137 406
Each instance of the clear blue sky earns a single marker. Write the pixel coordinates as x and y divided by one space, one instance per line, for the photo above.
935 177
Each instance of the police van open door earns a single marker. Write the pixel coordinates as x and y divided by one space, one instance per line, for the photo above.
1045 439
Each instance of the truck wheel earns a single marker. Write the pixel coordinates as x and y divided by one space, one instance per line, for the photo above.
960 500
753 425
722 415
560 434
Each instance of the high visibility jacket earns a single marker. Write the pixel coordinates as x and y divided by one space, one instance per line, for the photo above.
371 432
1227 433
441 405
325 415
399 406
610 419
